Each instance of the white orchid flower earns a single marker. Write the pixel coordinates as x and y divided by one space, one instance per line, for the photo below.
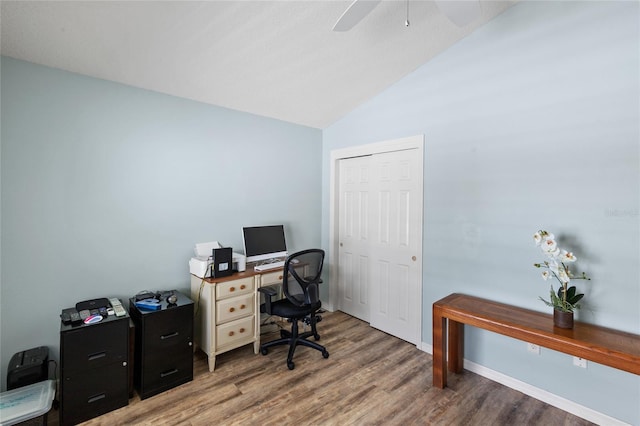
550 247
537 237
567 256
557 266
563 275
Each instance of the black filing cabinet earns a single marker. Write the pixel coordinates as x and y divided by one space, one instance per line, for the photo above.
163 345
94 368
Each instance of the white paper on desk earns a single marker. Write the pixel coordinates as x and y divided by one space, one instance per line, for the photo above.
205 249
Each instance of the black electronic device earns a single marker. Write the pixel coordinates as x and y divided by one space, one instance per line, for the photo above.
264 242
145 295
70 316
93 304
28 367
221 262
116 305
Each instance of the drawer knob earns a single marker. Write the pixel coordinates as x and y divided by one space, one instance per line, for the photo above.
279 277
124 364
231 309
232 289
242 306
231 333
242 287
242 330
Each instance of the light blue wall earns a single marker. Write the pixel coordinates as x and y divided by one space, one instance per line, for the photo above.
106 189
531 122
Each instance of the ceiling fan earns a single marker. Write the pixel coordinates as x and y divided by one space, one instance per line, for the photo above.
460 12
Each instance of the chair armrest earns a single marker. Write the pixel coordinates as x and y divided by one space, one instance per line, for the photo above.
269 292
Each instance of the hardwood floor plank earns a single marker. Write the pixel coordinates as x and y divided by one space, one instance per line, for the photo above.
370 378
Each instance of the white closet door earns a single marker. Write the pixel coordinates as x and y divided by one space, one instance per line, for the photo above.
396 245
380 241
354 266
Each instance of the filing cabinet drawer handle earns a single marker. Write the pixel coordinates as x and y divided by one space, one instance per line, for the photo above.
280 277
96 398
232 289
242 306
231 309
168 373
231 333
168 336
242 287
242 330
97 355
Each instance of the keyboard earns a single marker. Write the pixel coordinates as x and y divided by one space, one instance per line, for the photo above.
269 266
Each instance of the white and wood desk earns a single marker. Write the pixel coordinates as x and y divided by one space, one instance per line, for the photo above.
228 310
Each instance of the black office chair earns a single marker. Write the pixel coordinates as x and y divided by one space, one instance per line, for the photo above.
302 272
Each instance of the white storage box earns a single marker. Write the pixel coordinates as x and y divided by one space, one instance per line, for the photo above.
25 403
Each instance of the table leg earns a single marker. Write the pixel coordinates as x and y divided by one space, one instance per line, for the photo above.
439 349
212 363
456 346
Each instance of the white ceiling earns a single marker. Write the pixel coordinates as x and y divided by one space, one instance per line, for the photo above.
278 59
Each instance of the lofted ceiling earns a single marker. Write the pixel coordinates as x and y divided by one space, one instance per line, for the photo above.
277 59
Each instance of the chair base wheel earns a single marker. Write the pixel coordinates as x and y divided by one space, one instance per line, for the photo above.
291 365
264 351
325 354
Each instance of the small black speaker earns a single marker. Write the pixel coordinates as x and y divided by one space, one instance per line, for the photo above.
222 263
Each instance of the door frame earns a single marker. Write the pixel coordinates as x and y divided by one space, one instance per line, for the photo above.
402 144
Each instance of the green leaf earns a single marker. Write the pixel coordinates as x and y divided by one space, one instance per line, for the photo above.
575 299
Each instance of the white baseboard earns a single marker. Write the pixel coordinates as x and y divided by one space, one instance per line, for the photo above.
537 393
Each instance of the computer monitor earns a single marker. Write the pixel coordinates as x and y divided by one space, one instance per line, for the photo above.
264 242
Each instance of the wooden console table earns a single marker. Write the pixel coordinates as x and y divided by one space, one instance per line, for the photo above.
605 346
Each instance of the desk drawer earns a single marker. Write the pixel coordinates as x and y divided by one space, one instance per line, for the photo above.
276 277
234 288
271 278
234 308
95 346
93 392
166 372
165 329
234 331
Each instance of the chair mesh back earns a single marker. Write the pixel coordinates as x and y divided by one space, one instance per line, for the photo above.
304 269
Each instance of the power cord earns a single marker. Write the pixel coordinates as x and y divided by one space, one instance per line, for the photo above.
197 310
204 277
55 404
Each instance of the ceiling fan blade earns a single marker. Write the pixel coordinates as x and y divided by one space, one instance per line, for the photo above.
461 12
354 14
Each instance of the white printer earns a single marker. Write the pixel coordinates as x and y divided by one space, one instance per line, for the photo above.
200 264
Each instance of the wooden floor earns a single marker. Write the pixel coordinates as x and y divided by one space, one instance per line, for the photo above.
370 378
